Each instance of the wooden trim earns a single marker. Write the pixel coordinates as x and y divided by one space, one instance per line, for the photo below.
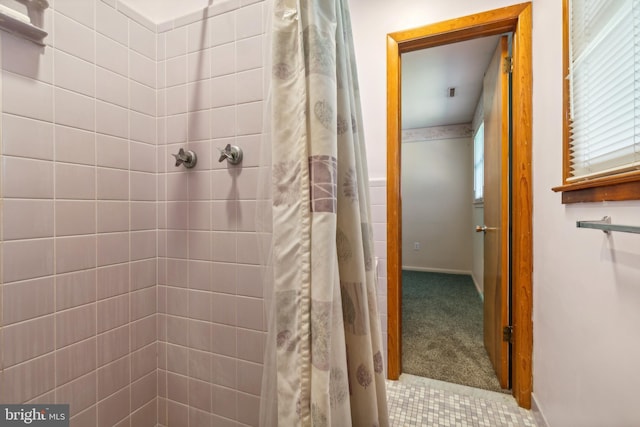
566 113
394 210
521 212
515 18
611 192
616 187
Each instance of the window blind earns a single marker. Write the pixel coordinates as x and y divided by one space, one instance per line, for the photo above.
604 75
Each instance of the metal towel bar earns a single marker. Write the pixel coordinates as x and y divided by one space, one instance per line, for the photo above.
605 225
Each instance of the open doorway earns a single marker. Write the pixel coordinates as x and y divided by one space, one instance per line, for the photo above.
515 19
442 198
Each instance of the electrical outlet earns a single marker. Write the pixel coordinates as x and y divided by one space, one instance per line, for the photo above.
416 246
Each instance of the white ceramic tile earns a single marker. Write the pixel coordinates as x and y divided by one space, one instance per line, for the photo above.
111 55
249 53
143 216
113 184
113 216
143 245
223 59
142 69
176 71
176 100
143 186
111 87
74 145
112 23
73 109
144 157
199 95
177 215
18 256
223 91
199 65
176 42
112 152
74 38
224 215
75 181
249 21
199 126
27 219
26 97
26 178
176 129
37 65
250 118
142 40
75 217
223 122
199 35
142 127
203 149
26 137
75 253
224 247
223 28
28 299
111 120
248 248
113 248
143 98
253 150
249 86
75 325
79 11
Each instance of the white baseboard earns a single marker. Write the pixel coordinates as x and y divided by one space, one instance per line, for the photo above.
475 282
435 270
541 421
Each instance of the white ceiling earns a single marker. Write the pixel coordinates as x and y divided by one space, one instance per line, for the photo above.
160 11
427 74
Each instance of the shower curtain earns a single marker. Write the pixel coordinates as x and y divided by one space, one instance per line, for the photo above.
323 362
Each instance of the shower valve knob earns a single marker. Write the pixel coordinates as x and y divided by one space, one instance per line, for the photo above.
232 154
187 158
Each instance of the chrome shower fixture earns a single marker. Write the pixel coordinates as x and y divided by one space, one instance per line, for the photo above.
231 153
187 158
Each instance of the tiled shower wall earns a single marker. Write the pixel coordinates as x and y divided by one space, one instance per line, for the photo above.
78 319
211 315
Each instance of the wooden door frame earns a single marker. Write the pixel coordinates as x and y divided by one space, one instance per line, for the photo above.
515 19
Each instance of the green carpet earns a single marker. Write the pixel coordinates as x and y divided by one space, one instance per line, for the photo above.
442 330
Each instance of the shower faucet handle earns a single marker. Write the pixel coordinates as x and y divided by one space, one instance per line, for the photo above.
187 158
231 153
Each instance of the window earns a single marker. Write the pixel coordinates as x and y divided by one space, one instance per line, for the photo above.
478 164
601 100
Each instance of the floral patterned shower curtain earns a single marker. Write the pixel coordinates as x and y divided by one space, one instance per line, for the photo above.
325 330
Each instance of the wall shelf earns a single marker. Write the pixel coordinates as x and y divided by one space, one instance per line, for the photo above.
22 29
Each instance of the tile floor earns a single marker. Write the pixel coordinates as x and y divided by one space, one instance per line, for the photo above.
416 401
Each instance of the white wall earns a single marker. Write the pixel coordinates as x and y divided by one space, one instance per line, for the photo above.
437 187
586 286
